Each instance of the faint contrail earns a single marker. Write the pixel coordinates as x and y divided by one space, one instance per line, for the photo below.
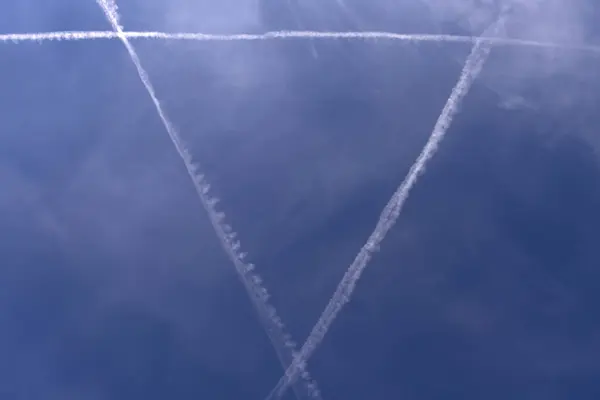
390 213
272 323
90 35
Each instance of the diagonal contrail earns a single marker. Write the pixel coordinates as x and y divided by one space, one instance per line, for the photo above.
193 36
390 213
272 323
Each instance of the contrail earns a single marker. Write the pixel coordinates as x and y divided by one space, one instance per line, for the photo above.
58 36
99 35
282 342
390 213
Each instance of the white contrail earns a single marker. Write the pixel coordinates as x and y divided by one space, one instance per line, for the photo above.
390 213
282 342
57 36
91 35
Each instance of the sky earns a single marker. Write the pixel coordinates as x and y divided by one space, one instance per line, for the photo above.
114 285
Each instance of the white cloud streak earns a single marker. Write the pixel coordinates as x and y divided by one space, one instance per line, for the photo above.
284 346
391 211
204 37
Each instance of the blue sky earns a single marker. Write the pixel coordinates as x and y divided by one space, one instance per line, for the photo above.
115 287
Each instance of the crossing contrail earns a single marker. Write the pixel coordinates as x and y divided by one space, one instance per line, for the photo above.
192 36
282 342
390 213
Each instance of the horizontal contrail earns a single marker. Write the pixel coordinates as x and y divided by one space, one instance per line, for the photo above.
281 340
389 215
98 35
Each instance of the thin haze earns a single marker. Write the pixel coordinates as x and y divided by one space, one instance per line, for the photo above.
565 22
